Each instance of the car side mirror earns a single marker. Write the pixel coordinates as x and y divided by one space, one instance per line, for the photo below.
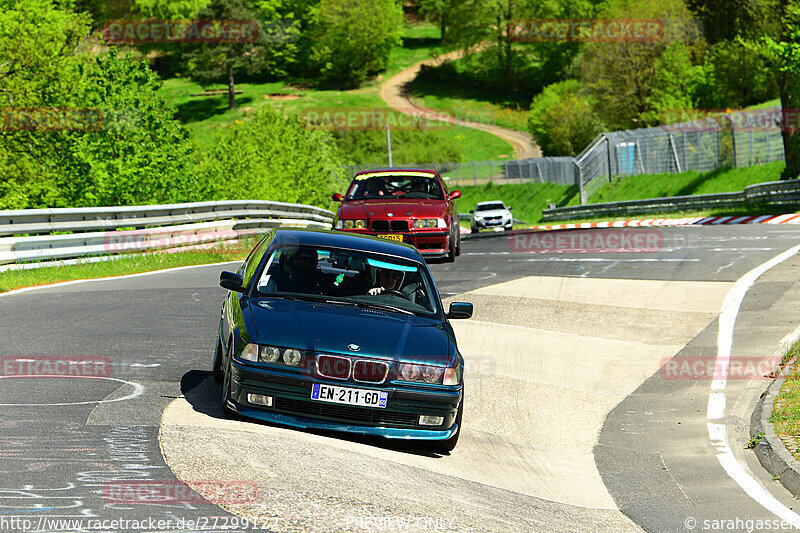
471 210
231 281
510 208
454 195
460 310
337 197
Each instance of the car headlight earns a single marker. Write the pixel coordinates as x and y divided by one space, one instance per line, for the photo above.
429 223
272 354
351 223
422 373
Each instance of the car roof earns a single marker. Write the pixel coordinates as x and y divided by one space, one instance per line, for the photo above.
339 239
490 202
423 172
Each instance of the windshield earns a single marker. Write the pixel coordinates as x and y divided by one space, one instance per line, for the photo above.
348 276
489 207
419 185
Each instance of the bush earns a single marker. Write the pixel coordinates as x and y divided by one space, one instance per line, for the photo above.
272 158
561 119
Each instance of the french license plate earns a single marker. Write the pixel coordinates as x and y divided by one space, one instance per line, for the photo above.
348 396
392 237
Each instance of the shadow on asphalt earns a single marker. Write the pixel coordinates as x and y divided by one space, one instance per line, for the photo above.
204 395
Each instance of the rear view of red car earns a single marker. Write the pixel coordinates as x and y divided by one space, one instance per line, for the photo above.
405 205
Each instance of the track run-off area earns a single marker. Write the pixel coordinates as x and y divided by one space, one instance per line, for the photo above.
592 402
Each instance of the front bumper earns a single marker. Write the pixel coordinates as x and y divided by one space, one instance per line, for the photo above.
486 224
293 407
429 243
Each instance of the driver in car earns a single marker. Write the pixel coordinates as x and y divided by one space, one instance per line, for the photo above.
302 273
386 280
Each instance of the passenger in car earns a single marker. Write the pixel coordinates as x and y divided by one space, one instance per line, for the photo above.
301 274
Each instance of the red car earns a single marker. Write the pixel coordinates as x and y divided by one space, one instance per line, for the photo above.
405 205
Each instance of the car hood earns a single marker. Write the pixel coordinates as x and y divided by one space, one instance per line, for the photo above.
493 213
330 328
361 209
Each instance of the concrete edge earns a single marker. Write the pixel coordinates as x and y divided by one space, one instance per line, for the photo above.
770 451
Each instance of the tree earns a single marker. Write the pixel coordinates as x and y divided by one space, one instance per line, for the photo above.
561 119
439 11
209 62
354 38
622 76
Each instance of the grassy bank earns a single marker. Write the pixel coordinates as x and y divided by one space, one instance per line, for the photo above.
134 264
786 415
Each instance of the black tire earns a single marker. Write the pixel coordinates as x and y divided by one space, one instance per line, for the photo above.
217 368
226 386
451 254
474 230
458 243
509 229
447 446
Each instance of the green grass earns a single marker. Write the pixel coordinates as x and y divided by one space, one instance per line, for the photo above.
526 199
662 185
529 199
421 41
786 410
134 264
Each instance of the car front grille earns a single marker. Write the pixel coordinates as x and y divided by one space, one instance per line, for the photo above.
370 371
399 225
331 366
346 413
380 225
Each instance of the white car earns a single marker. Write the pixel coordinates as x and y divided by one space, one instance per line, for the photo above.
490 215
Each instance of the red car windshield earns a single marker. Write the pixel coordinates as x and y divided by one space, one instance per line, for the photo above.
399 186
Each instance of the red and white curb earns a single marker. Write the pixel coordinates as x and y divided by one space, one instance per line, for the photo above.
792 218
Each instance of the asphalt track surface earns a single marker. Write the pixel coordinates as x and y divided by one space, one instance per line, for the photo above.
614 445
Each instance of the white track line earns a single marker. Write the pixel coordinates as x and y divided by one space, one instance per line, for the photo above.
717 400
125 276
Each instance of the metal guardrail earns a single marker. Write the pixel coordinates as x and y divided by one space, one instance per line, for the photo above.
53 234
773 193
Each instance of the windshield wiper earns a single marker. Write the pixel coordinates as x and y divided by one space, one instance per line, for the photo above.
385 307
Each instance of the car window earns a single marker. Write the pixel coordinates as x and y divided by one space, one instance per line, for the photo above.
250 264
348 276
419 186
490 207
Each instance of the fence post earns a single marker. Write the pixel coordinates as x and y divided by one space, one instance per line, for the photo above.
733 140
530 171
491 171
750 139
474 173
579 179
766 130
608 158
716 143
674 152
699 151
539 173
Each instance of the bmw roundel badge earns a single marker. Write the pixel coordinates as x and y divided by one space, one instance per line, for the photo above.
353 347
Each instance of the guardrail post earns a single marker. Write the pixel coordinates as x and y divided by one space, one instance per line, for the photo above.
579 179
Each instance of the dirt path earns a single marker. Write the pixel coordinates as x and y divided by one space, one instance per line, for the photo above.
395 92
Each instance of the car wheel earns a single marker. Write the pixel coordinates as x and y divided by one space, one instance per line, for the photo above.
474 230
451 253
509 228
447 446
217 368
226 386
458 243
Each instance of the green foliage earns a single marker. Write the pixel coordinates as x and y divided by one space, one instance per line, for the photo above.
409 147
675 84
561 119
735 77
629 78
354 39
272 158
169 9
